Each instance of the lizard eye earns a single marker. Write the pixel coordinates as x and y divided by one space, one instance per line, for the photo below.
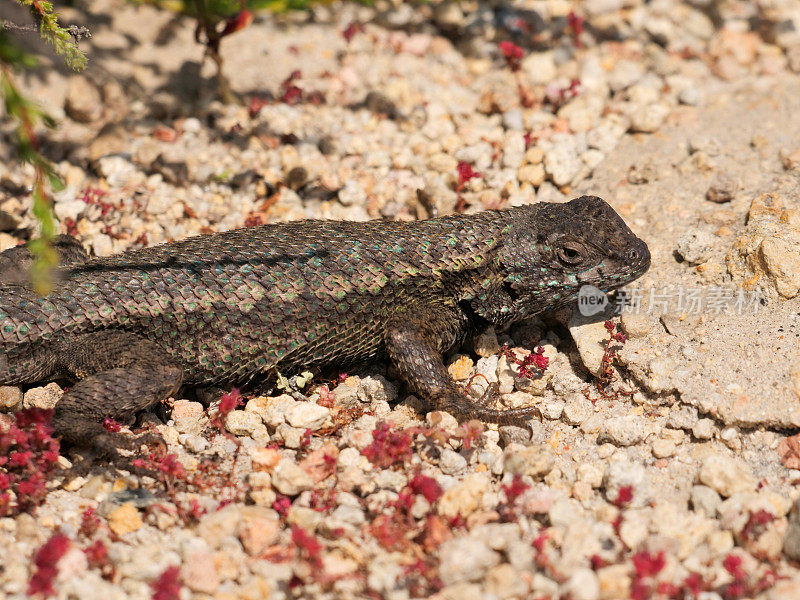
570 253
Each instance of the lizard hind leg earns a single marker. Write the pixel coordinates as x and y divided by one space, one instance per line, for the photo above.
119 375
417 356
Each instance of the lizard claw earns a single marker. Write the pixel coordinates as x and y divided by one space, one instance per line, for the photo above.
464 409
511 416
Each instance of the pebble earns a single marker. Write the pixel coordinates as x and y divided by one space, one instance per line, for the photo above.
691 96
258 531
722 189
683 417
622 473
463 498
634 529
552 409
10 398
705 500
352 193
240 422
534 461
503 581
590 336
663 448
511 434
726 475
591 473
614 581
188 416
696 245
451 462
562 159
703 429
486 344
647 119
461 368
375 389
199 572
780 256
273 410
293 437
465 559
624 74
624 431
532 174
290 479
42 397
791 545
307 415
577 409
125 519
540 67
583 584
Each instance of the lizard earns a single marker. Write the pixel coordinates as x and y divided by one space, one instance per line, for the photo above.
236 307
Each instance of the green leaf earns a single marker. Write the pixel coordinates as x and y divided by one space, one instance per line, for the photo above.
51 32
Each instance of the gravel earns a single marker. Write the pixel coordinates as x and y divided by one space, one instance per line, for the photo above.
684 457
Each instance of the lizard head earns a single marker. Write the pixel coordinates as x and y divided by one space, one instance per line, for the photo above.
552 250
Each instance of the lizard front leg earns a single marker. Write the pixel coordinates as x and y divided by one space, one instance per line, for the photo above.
415 348
119 375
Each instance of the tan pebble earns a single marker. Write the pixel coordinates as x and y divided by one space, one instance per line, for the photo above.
257 534
582 491
442 163
720 542
199 572
461 368
464 497
663 448
534 461
534 155
125 519
256 588
615 582
533 174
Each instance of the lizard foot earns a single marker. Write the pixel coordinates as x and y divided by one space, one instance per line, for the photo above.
464 409
106 448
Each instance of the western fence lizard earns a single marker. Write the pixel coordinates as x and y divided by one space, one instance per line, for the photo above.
232 308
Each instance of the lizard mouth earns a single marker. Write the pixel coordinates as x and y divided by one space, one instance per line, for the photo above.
622 270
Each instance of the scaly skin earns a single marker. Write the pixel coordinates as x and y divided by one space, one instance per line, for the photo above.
233 308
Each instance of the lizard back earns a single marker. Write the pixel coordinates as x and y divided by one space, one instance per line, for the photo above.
231 305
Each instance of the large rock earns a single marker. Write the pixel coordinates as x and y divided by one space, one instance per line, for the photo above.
769 249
